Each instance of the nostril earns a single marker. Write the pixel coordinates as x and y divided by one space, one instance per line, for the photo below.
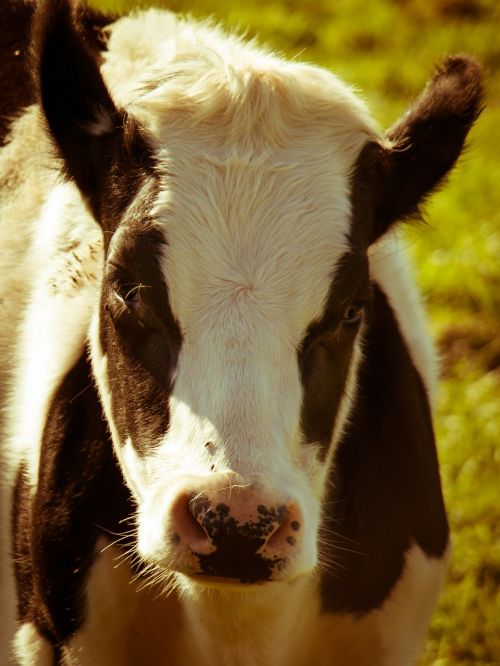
198 507
186 519
287 527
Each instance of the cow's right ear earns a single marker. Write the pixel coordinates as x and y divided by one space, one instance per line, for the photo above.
78 108
422 147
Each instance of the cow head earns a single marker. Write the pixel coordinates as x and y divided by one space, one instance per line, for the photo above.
238 201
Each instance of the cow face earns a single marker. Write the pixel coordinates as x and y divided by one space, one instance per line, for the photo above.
228 326
237 208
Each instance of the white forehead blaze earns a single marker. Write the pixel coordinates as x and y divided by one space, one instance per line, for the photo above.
250 256
255 155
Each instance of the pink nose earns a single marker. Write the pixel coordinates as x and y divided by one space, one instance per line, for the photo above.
235 535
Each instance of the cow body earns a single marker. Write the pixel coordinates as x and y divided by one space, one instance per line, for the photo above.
217 434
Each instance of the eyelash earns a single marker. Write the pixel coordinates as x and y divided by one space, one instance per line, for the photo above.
130 293
126 307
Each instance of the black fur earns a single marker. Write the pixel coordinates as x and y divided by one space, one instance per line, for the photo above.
385 489
108 168
140 338
80 497
21 544
390 183
16 89
325 353
387 184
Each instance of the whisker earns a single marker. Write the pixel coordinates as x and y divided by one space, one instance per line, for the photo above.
339 535
115 542
335 546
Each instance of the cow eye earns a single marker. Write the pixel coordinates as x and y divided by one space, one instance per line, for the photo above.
353 313
128 309
130 295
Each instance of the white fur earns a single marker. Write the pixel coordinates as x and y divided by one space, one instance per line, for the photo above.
54 329
405 615
390 268
279 618
349 395
287 628
158 61
128 624
389 636
256 155
30 649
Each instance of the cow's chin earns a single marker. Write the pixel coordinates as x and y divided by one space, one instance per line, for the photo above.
197 585
226 584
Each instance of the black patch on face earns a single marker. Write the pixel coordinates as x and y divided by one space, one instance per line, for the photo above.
139 335
385 488
80 497
237 544
128 173
325 354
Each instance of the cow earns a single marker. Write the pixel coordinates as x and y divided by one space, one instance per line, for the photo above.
217 442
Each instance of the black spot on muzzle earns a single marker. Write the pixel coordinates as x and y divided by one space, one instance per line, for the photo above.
237 544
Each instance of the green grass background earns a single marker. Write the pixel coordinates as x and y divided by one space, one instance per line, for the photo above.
388 49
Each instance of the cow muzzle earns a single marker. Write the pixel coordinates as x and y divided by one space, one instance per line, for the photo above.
236 534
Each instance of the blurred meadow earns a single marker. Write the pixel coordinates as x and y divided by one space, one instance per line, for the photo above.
388 49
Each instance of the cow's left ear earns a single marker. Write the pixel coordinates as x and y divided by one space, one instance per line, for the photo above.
424 144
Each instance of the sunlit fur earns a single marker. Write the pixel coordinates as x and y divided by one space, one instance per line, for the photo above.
391 635
30 649
389 267
45 313
65 292
254 157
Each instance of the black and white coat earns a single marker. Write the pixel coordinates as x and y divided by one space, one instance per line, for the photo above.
216 436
